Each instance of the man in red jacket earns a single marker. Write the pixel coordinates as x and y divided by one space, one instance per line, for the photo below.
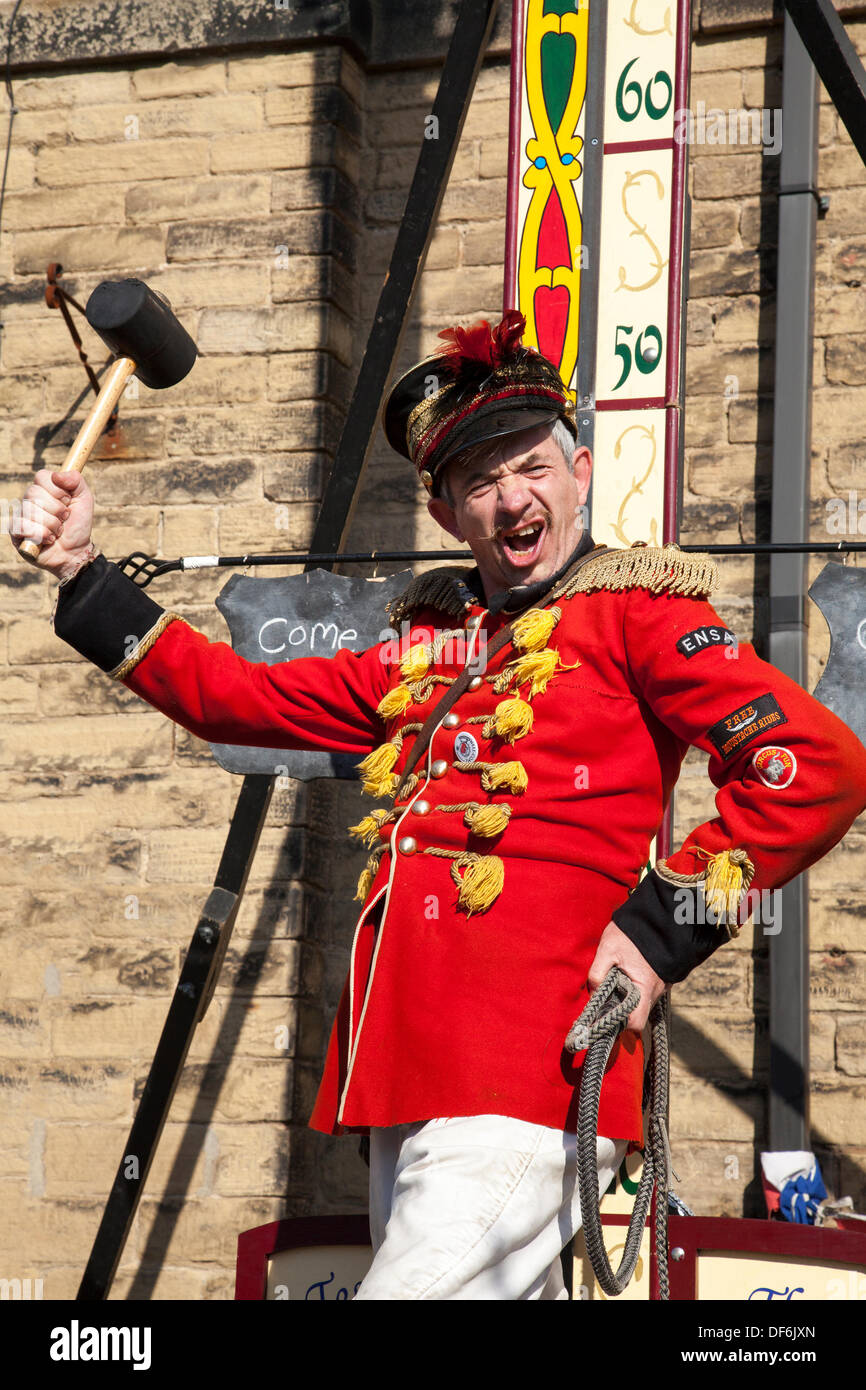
504 874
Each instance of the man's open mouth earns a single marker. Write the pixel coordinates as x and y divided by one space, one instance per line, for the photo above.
523 543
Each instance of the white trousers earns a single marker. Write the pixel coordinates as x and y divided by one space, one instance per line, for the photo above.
474 1208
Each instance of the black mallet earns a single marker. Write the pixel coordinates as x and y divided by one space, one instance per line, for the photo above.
139 327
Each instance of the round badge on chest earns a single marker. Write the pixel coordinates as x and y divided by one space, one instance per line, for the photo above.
465 748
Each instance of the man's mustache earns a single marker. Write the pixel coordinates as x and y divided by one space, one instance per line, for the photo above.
499 531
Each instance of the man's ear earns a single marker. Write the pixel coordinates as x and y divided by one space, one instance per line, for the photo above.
581 467
445 517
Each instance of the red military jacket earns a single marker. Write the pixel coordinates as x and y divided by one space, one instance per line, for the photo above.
527 825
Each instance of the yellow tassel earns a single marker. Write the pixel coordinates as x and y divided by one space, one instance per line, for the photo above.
723 884
416 662
511 720
512 776
537 668
367 830
488 820
392 705
376 768
532 630
481 883
368 875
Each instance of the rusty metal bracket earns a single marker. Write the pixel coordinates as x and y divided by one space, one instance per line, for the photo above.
56 297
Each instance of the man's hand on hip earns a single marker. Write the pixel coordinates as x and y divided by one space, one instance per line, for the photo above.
615 948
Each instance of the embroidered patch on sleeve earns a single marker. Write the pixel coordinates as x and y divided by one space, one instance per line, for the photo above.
742 726
776 767
702 637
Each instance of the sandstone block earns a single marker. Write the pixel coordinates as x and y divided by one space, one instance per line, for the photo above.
706 422
55 1231
713 370
134 121
287 147
201 1230
836 980
48 93
839 1111
272 1027
109 1029
179 79
67 1090
308 68
102 206
128 248
292 478
310 232
851 1045
287 428
726 471
700 1110
742 274
316 188
237 1093
304 327
714 1175
132 161
319 105
294 278
186 200
717 1046
750 420
24 1032
714 224
726 175
143 740
716 55
181 479
846 359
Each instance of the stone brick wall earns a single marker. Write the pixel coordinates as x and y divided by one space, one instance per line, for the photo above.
262 193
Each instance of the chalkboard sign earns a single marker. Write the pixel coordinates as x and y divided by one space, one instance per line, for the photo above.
840 593
312 614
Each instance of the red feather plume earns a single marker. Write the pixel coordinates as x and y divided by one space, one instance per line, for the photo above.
479 350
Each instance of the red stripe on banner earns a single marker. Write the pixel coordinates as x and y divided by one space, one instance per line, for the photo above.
509 284
626 146
639 403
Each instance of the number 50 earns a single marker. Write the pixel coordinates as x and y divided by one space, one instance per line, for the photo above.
646 359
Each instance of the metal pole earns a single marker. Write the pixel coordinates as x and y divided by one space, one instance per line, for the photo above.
788 1119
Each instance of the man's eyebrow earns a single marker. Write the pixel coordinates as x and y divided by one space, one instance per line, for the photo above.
481 472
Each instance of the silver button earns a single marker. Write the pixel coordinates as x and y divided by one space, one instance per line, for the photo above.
439 768
421 808
451 721
475 682
407 845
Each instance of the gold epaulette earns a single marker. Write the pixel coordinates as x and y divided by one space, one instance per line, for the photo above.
445 589
661 569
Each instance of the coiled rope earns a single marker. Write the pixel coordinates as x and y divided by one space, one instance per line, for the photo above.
597 1032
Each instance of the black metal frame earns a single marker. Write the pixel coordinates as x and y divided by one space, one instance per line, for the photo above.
211 937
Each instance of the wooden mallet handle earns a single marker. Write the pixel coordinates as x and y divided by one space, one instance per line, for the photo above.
85 441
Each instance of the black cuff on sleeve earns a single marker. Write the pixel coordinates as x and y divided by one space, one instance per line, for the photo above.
103 615
666 922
